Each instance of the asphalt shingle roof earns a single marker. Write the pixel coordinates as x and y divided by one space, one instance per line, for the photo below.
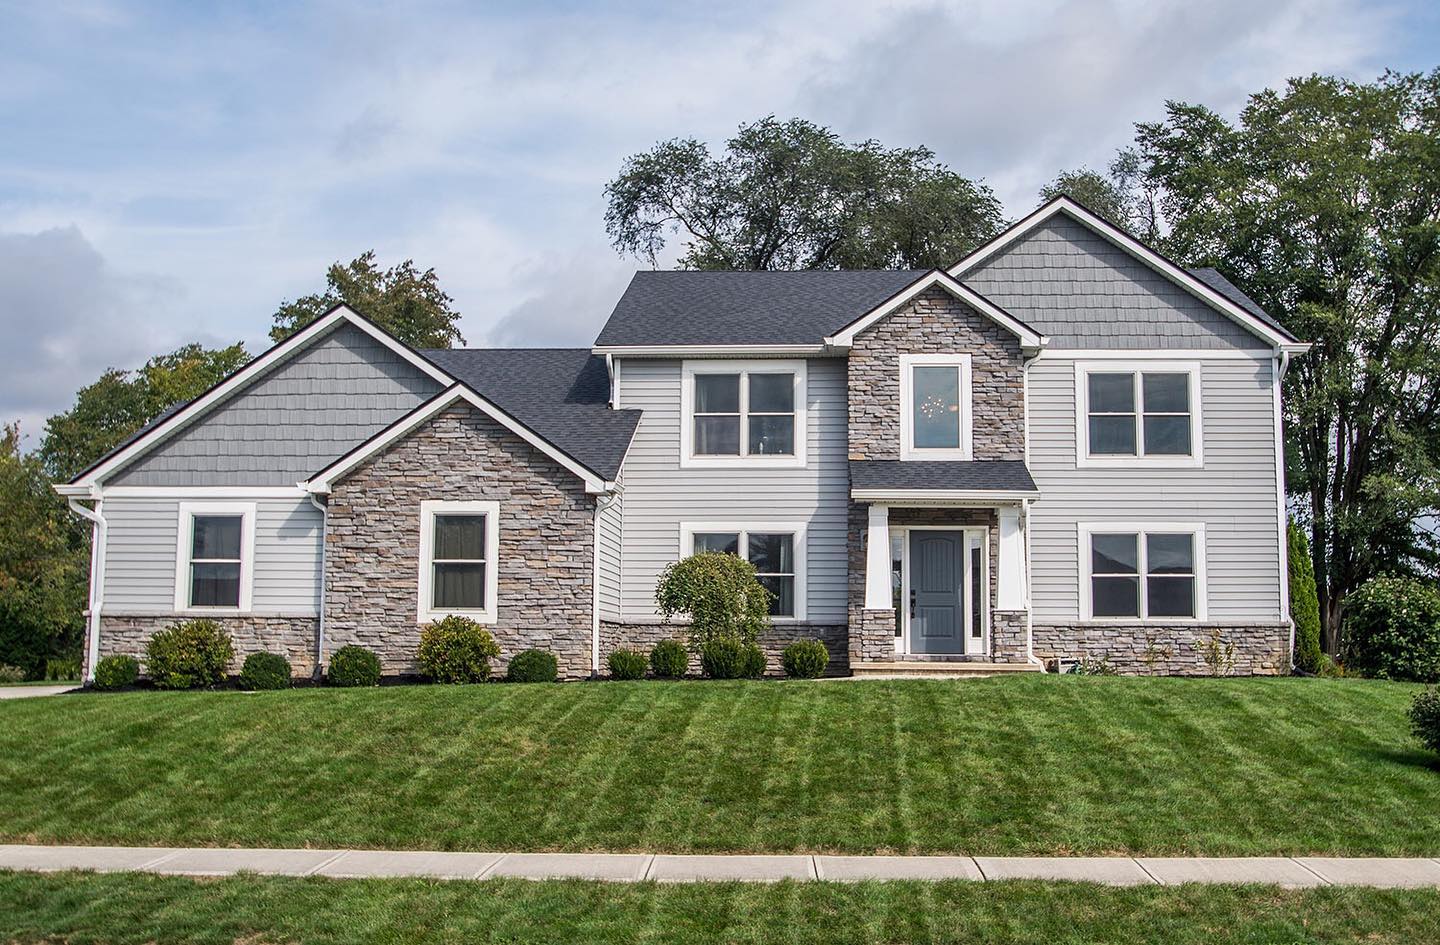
999 475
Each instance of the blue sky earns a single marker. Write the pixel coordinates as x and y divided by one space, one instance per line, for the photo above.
171 172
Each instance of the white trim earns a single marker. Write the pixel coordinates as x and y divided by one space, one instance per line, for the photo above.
203 492
248 373
1010 589
1084 531
743 530
925 497
712 351
1282 520
425 612
98 537
877 559
184 544
962 364
1030 340
1083 459
1159 354
688 371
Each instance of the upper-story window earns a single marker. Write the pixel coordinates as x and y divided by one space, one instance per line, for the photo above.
215 556
935 406
743 413
1138 412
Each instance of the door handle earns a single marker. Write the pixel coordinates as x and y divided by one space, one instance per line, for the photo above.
912 602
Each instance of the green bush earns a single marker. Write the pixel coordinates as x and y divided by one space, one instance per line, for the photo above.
1392 629
352 666
456 650
532 666
265 671
669 660
1304 602
62 669
116 672
188 655
626 664
728 658
1425 718
1090 667
720 595
11 674
805 659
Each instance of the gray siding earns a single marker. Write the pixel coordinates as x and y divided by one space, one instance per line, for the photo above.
610 550
141 547
1233 494
659 494
293 421
1066 281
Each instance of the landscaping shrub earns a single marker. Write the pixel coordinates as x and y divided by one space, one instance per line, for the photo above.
188 655
805 659
1089 667
265 671
752 662
1304 602
116 672
1425 718
62 669
728 658
11 674
720 595
1392 629
352 666
669 660
456 650
532 666
626 664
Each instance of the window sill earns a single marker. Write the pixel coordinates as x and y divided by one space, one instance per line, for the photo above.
742 462
1139 621
431 616
1141 462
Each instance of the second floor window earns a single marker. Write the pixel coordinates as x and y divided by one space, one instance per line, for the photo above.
1145 413
750 413
935 406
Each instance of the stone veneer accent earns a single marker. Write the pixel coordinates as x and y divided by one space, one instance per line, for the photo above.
1008 636
1260 649
545 559
935 322
292 637
643 636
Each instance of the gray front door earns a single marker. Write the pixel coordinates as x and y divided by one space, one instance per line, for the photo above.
937 592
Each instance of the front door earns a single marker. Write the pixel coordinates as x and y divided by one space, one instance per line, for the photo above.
937 592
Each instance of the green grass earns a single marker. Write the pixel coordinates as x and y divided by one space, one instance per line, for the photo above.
1036 765
133 908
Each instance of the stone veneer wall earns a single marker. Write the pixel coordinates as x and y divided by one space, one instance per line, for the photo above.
1008 636
292 637
1260 650
545 560
935 322
643 636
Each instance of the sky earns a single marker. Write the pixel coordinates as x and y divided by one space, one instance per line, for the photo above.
172 172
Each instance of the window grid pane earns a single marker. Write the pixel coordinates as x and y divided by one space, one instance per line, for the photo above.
215 584
1110 406
459 538
216 537
458 585
727 543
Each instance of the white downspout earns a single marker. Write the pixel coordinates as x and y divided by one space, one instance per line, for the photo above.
1029 593
324 510
98 536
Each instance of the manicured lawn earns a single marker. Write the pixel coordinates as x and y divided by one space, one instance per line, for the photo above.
1038 765
78 908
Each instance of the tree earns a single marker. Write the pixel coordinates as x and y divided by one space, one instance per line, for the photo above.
404 301
1304 605
121 402
1119 196
791 195
1323 203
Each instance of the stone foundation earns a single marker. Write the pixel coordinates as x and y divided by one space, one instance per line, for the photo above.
643 636
1260 649
1008 636
291 637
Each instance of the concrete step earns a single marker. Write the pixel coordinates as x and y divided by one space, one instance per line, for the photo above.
935 669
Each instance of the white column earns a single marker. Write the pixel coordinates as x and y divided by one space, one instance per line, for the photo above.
1011 591
877 560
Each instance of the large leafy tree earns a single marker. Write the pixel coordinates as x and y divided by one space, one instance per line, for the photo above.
792 195
1119 195
1323 202
403 300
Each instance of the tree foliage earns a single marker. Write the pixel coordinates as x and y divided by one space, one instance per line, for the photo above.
1304 605
403 300
720 595
1323 203
792 195
1120 196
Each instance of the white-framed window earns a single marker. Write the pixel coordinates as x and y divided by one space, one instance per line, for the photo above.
935 407
459 550
1137 412
214 557
1150 572
777 550
742 413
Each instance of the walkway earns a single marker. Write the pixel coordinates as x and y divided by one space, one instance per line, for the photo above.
29 692
624 867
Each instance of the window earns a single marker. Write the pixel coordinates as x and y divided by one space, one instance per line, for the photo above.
458 546
935 406
213 556
743 412
776 551
1155 572
1137 412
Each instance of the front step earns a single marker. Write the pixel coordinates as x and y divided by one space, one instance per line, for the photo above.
935 669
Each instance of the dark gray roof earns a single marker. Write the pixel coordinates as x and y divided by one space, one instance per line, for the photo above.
998 475
1231 291
746 308
560 393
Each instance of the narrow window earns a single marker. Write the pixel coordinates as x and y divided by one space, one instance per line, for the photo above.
773 556
1115 575
977 588
771 414
215 560
1170 575
1167 414
458 563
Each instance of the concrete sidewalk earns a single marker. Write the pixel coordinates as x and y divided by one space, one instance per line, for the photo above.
30 692
1292 872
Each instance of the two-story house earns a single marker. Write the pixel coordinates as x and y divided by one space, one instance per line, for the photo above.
1064 446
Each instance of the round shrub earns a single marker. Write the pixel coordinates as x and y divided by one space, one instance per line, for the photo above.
352 666
456 650
1425 718
669 660
532 666
116 672
11 674
1392 630
728 658
805 659
720 595
752 662
265 671
188 655
626 664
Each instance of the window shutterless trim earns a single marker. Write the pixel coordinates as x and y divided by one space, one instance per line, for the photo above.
742 530
185 543
1086 530
426 612
744 460
1083 458
962 364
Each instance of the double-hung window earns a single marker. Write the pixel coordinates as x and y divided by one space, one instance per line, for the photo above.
1152 572
1145 412
459 542
214 556
776 551
935 406
743 413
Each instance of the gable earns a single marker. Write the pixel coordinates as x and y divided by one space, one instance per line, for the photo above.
1083 291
